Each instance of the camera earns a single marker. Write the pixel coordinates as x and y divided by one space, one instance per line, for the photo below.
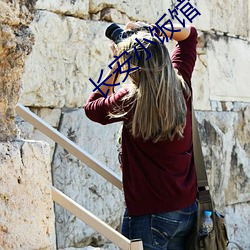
115 33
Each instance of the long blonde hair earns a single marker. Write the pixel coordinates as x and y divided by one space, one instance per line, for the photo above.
156 88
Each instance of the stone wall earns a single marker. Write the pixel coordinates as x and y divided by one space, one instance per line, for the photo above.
70 47
26 207
15 43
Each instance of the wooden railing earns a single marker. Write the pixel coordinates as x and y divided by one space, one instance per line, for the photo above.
66 202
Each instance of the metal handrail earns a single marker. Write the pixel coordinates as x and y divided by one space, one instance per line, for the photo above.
66 202
97 224
70 146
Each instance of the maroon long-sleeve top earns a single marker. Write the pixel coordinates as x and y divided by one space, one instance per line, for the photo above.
157 177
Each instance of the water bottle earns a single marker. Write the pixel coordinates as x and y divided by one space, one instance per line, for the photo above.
207 223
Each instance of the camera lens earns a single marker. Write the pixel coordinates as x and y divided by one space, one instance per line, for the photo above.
114 32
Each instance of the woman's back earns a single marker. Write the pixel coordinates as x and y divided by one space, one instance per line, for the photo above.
157 176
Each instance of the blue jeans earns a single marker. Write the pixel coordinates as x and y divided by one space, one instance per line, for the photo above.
161 231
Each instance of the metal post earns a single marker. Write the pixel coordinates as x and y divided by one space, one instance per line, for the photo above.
136 245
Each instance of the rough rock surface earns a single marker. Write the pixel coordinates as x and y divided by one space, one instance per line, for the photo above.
77 8
15 43
26 207
62 77
225 139
51 116
226 144
223 16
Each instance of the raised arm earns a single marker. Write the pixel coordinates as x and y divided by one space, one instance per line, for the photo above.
178 36
113 79
184 55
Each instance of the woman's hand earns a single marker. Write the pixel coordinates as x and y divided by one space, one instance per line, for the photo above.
134 25
114 49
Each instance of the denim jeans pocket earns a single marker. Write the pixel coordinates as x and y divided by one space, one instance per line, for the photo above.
163 229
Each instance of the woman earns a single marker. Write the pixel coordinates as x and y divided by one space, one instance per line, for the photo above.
157 151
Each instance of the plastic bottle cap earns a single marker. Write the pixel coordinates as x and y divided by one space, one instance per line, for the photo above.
207 213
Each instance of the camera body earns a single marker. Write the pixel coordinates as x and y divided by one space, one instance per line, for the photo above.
115 33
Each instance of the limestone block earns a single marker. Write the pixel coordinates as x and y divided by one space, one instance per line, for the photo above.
106 246
150 11
50 116
220 74
111 15
7 15
169 5
15 43
238 221
58 70
225 140
27 131
26 207
243 125
228 16
228 72
82 184
248 20
203 22
15 13
200 77
224 16
77 8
